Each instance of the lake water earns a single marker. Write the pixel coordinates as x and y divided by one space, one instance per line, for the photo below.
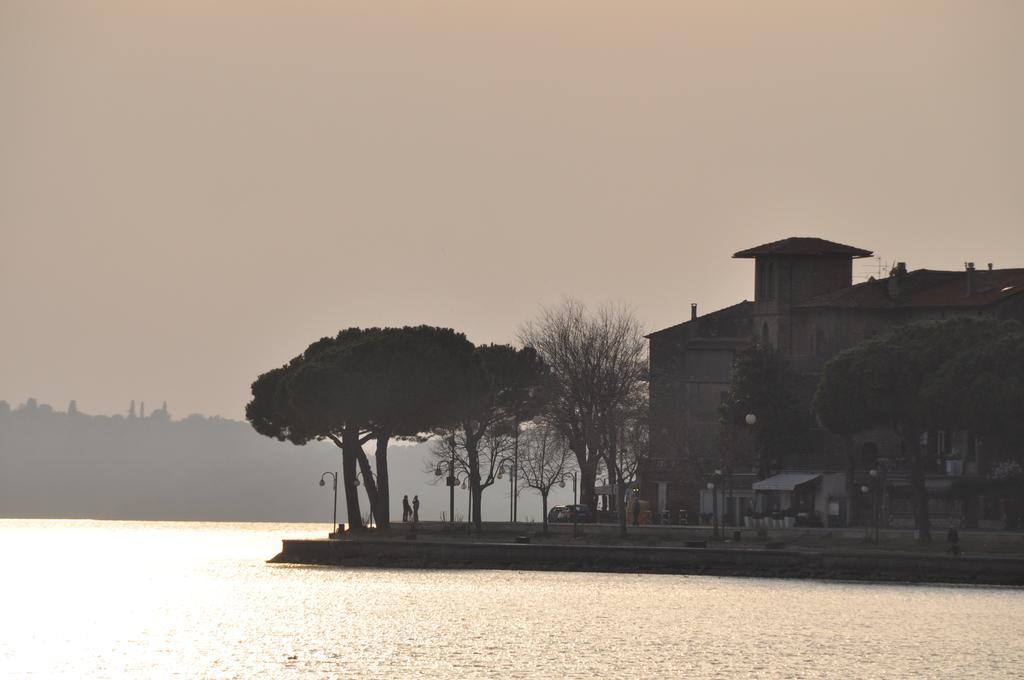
159 599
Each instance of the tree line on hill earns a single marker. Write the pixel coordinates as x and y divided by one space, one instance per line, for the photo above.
71 464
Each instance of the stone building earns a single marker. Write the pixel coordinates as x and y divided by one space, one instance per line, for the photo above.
807 307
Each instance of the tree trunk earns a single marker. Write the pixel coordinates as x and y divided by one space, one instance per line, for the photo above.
349 446
588 476
368 482
383 507
615 474
544 506
919 491
515 473
475 492
621 499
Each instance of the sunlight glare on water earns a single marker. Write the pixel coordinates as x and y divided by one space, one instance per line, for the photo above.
156 599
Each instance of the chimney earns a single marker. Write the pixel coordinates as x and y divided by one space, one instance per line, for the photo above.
990 266
969 267
693 311
895 274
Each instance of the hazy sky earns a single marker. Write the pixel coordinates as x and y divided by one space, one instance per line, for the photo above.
191 192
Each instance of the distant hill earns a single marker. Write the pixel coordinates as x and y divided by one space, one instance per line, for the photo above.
73 465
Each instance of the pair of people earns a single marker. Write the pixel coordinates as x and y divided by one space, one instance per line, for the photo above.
411 512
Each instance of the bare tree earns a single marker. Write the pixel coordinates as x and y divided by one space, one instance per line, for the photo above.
596 363
476 453
544 460
625 447
504 391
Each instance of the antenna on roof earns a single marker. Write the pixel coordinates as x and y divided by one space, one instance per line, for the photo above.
878 269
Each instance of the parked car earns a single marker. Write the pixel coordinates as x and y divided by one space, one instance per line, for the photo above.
567 513
578 513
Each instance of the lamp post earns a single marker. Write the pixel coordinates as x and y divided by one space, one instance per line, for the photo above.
878 486
513 471
514 476
714 510
334 483
450 483
718 500
874 489
751 420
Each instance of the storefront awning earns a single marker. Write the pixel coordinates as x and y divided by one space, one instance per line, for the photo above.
787 481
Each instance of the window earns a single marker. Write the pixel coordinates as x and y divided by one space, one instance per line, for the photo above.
765 281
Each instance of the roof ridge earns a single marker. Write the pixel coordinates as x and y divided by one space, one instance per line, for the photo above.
807 246
721 310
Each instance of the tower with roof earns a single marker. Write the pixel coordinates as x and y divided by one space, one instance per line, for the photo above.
789 272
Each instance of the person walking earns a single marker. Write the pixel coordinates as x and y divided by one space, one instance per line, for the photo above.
415 509
406 508
636 511
953 537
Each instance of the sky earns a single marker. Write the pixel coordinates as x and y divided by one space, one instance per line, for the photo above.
191 192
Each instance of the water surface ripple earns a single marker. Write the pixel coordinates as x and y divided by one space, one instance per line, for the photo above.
173 599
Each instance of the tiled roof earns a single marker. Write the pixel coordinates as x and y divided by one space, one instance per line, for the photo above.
740 310
803 245
926 288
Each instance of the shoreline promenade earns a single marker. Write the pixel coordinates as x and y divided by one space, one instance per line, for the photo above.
599 551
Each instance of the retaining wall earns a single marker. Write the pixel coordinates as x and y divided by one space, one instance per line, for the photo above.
871 566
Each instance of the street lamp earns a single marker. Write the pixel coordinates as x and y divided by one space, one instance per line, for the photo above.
513 478
723 500
875 489
450 483
878 474
334 483
751 420
714 511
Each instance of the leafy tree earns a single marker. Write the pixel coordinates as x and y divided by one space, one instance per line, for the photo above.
765 385
545 459
595 363
365 384
881 383
982 390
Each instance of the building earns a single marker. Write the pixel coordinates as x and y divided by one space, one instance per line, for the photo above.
808 308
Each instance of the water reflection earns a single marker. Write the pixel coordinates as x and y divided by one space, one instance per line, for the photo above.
187 599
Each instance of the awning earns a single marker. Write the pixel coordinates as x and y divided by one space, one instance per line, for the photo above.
787 481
